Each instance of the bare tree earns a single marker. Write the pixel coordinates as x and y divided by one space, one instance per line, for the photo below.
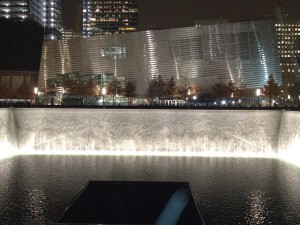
221 90
129 90
183 88
171 87
195 89
271 89
157 88
93 88
294 91
114 88
79 89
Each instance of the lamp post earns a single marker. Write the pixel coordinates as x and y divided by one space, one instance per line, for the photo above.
258 93
188 95
103 91
288 101
35 91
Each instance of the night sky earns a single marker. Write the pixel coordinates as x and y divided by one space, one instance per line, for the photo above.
179 13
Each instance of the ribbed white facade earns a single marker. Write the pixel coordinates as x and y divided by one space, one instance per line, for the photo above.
245 53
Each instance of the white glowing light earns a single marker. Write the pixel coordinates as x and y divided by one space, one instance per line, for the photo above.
258 92
288 149
10 151
292 153
35 90
290 158
240 154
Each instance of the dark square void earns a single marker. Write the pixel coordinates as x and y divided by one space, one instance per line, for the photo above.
123 202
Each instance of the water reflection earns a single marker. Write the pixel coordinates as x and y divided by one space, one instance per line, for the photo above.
37 189
37 206
257 212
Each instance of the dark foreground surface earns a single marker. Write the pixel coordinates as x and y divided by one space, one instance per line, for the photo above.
133 202
37 189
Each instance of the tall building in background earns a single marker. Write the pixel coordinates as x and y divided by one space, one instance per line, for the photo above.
104 17
20 54
22 10
52 19
24 25
47 13
288 35
69 33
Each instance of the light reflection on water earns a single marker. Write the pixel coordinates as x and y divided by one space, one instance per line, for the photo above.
258 212
36 189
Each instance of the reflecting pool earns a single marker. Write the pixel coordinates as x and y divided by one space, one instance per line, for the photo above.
232 159
36 189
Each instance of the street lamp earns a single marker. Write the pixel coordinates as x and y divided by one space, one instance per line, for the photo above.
103 91
35 91
258 93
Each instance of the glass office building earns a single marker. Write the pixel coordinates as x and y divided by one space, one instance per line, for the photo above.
288 35
104 17
46 12
22 10
244 53
52 19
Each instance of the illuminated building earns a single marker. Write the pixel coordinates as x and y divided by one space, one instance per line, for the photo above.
69 33
289 49
22 10
52 19
104 17
46 12
244 53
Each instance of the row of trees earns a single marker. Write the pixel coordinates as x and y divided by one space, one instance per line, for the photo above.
271 90
83 89
159 89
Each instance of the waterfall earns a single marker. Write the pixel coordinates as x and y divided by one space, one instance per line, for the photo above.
253 133
289 137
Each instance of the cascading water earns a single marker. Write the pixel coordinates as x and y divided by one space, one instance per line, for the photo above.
289 138
149 132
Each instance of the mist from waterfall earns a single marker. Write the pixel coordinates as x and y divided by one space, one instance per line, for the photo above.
221 133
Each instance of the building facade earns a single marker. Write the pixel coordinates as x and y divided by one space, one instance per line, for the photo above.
69 33
244 53
288 35
52 19
45 12
105 17
21 45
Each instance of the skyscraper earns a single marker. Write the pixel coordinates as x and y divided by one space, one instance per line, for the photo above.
24 25
288 35
22 10
52 19
45 12
20 54
104 17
